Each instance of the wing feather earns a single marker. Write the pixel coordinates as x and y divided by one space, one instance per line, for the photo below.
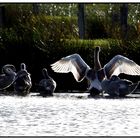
120 64
72 63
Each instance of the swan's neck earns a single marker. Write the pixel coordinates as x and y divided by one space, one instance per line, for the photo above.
45 74
101 74
97 64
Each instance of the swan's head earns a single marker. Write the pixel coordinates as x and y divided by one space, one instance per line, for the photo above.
114 78
45 72
9 71
22 66
97 49
8 68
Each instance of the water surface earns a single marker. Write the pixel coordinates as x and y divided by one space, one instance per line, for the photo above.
69 116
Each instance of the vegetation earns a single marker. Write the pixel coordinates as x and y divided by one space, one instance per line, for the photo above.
41 39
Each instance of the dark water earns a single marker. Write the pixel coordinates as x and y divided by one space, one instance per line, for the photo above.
69 116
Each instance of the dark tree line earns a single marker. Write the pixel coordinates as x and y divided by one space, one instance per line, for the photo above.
123 20
123 13
36 9
81 21
2 15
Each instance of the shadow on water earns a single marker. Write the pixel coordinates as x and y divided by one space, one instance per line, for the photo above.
79 95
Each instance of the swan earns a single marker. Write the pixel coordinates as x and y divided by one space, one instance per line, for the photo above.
7 77
80 70
23 83
118 87
99 74
47 85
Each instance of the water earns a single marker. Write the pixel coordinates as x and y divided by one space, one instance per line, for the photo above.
69 116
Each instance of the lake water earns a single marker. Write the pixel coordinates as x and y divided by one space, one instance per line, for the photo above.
69 116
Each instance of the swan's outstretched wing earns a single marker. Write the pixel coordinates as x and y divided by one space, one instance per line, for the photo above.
72 63
120 64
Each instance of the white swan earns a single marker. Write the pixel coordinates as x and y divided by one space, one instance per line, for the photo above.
80 70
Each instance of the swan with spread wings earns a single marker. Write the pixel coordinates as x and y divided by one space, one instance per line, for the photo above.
80 70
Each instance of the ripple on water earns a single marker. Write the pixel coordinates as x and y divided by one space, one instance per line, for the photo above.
59 116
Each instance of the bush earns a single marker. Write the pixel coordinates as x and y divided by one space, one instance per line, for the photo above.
39 55
95 28
41 40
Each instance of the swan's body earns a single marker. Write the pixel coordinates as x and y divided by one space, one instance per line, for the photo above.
118 87
23 82
47 85
80 70
7 77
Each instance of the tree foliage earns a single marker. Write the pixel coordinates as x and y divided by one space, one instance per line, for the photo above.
41 39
